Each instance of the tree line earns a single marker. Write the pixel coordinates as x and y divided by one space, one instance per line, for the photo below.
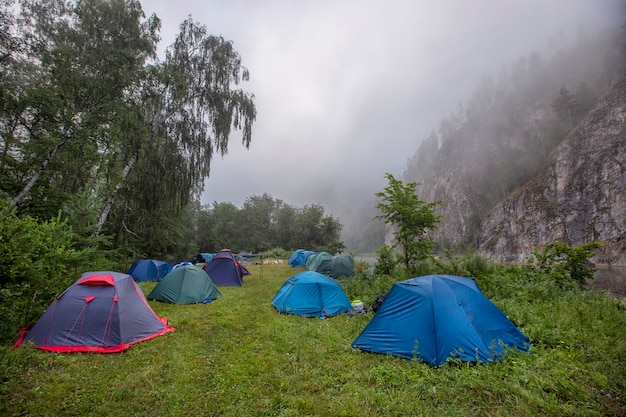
264 223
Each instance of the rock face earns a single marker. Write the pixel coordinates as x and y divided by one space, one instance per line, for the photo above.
578 198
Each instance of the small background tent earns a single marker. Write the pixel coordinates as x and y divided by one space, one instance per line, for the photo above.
311 294
224 269
338 266
186 284
436 317
313 262
148 270
299 257
101 312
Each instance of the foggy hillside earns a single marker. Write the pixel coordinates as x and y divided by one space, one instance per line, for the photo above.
503 135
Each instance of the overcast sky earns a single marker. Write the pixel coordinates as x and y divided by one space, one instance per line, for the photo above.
346 89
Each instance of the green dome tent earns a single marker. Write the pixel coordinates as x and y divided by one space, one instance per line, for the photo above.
313 262
186 284
338 266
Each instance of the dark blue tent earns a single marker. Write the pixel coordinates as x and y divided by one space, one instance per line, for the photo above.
437 317
311 294
101 312
298 258
224 269
149 270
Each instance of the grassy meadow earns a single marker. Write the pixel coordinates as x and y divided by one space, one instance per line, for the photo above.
238 357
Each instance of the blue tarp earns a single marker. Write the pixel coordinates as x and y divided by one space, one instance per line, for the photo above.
437 317
311 294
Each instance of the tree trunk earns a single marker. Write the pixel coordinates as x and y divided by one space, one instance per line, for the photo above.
20 196
109 203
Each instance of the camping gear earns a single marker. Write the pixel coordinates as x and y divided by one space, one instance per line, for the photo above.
437 317
299 257
101 312
224 269
178 265
148 270
198 259
311 294
378 301
186 284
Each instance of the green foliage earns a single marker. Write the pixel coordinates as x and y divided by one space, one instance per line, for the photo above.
276 253
84 109
264 223
386 261
412 217
37 262
564 263
469 265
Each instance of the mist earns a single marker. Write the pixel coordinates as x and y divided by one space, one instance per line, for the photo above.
346 90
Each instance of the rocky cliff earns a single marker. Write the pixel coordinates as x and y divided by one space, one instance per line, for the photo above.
579 196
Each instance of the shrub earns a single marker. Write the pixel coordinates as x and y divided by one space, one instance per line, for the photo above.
564 263
386 262
37 262
276 253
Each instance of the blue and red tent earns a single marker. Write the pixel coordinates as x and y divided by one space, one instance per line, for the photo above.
101 312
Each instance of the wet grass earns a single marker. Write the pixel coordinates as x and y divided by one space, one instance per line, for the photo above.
238 357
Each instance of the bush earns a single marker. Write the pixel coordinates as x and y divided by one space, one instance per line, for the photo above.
276 253
564 263
37 262
386 261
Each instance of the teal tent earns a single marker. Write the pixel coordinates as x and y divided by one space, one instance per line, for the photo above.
313 261
311 294
186 284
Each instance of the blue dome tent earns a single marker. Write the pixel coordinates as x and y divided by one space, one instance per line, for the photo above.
298 258
311 294
149 270
436 317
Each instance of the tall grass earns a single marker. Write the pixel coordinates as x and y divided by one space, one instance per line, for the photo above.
237 356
